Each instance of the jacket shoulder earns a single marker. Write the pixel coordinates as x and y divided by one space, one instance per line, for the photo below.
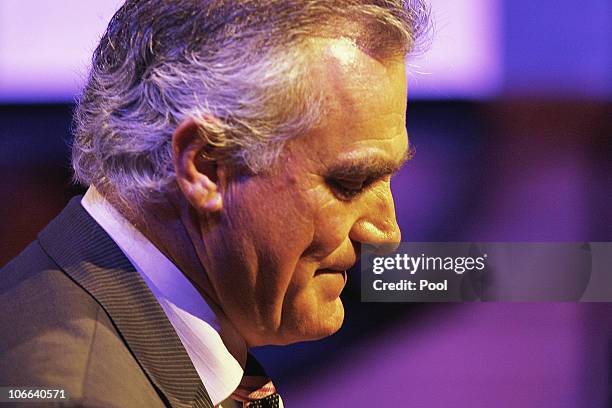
53 333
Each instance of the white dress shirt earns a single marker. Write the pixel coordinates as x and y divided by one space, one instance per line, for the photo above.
195 323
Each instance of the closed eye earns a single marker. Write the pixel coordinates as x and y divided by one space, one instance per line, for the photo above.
350 177
347 189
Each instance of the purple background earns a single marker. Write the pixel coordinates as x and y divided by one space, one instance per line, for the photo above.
513 144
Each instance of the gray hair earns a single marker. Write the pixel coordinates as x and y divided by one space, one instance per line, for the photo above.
236 67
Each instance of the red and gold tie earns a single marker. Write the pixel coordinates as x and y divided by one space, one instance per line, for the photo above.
256 390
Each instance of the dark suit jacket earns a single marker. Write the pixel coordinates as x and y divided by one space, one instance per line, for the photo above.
75 314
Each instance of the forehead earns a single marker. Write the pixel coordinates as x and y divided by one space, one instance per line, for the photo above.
348 76
364 102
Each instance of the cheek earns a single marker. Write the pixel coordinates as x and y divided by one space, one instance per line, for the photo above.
269 212
333 222
279 236
311 307
273 226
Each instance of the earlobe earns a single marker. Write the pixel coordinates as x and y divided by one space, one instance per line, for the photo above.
193 175
201 193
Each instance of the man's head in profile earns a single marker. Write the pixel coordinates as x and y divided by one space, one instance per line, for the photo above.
237 155
253 143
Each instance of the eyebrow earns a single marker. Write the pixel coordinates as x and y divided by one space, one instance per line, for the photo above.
368 167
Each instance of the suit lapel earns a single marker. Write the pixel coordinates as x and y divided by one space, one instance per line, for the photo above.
90 257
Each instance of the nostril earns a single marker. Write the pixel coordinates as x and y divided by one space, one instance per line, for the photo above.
382 248
387 247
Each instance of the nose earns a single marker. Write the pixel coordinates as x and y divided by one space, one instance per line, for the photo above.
378 225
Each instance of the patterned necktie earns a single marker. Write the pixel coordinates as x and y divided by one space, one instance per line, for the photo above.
256 390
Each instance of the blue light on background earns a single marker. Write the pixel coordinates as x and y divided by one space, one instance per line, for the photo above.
559 48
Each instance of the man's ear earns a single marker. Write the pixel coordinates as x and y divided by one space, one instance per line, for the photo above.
195 176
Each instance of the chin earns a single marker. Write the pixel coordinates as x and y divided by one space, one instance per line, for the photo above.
315 324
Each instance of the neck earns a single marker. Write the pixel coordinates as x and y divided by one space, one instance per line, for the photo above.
174 228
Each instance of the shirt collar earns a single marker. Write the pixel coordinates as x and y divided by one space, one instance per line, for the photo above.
194 321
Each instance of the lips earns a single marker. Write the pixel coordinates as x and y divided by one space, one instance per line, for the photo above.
332 271
338 265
